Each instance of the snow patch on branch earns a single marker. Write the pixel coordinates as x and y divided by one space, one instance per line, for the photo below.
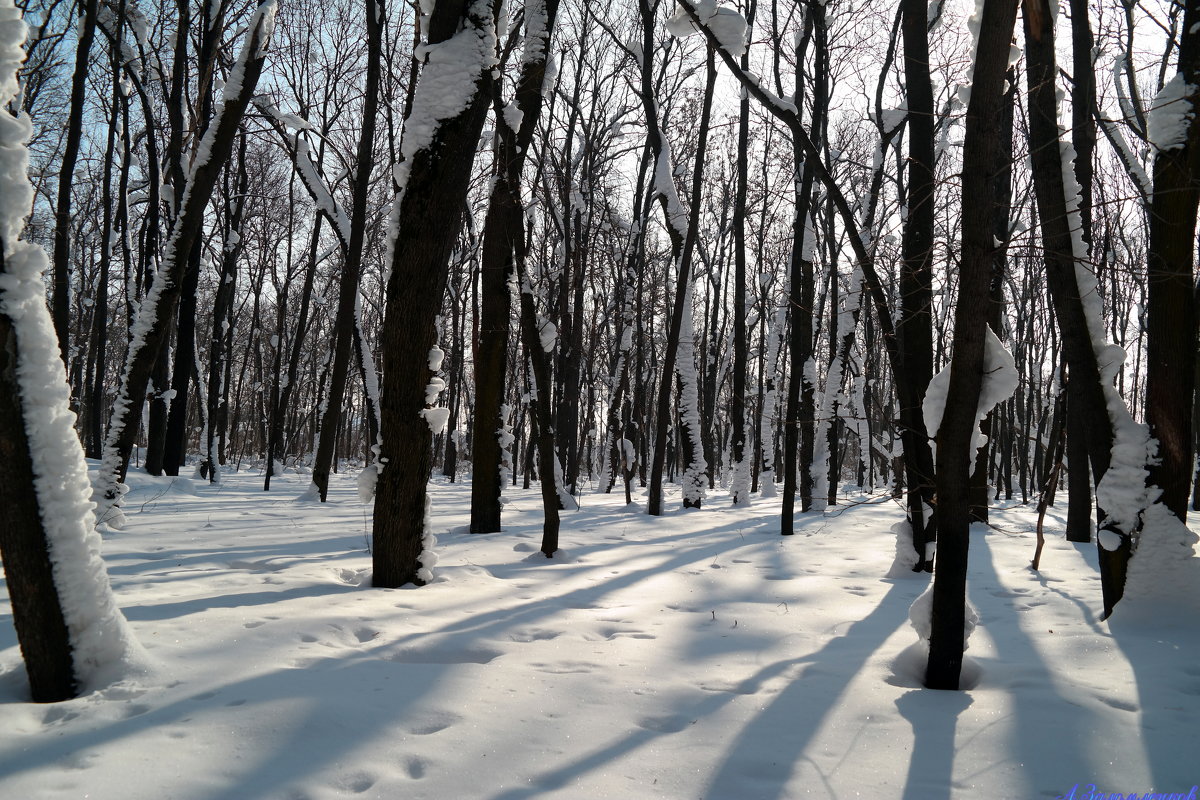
1171 114
727 25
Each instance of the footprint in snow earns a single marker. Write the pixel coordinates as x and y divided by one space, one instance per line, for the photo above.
671 723
357 782
432 722
534 635
415 767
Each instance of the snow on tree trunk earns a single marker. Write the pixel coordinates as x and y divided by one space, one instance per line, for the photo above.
149 331
44 486
441 134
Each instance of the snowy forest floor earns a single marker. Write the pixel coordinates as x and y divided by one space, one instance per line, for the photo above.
697 655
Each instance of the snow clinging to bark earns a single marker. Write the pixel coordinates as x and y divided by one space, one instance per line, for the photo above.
1000 378
448 81
1171 115
103 649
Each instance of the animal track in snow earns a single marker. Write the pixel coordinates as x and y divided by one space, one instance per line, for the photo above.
608 634
415 767
365 635
358 782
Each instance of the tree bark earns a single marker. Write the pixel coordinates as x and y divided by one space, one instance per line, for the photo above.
502 227
954 456
425 225
1171 311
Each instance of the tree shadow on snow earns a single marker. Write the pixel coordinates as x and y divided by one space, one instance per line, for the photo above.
762 759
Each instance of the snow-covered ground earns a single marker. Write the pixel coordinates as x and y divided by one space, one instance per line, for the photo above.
697 655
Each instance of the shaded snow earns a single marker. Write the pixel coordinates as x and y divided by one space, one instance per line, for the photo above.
697 654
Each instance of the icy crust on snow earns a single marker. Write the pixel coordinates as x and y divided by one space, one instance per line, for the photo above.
103 649
726 24
1171 114
1000 378
448 81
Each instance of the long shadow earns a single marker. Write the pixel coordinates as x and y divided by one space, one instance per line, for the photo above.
1051 764
562 776
237 769
161 611
934 720
766 750
1163 652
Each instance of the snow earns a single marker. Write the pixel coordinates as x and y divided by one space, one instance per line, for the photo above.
103 650
697 654
436 418
726 24
1000 379
447 83
1171 114
547 333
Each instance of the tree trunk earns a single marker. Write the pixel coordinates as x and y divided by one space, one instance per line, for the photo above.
959 422
424 226
502 227
1171 311
66 177
345 324
914 329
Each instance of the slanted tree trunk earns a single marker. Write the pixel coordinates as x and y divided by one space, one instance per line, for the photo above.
679 232
24 546
43 476
345 324
152 326
66 178
1062 273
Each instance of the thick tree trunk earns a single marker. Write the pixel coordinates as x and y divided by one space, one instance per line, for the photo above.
1171 311
426 223
36 609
